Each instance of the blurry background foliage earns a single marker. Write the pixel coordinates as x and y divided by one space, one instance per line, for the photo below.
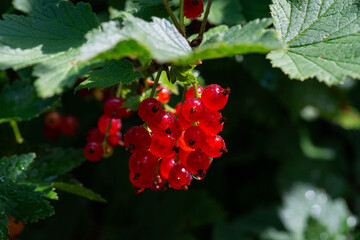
293 171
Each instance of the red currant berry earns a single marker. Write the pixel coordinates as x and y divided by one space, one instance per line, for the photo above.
164 95
212 122
137 139
214 146
141 181
69 125
150 110
179 177
94 135
53 119
114 139
182 144
183 156
190 93
15 227
166 164
197 163
177 108
215 97
113 108
143 162
103 124
193 109
194 137
158 183
193 8
168 125
93 151
184 123
162 145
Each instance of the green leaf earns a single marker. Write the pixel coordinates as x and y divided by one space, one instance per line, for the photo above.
24 203
158 39
183 74
27 6
54 162
4 231
322 38
49 32
78 189
50 37
19 102
251 38
113 73
161 41
48 191
12 167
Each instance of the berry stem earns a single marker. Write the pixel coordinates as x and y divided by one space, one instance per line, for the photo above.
196 91
107 134
182 25
203 24
153 90
16 131
183 98
168 9
118 92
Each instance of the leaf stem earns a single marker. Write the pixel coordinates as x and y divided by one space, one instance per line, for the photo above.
118 92
16 131
156 83
203 24
182 25
177 25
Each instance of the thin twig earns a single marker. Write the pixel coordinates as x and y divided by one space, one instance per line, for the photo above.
107 134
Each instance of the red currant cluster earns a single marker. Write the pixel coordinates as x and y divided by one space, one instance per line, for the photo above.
56 124
184 142
102 140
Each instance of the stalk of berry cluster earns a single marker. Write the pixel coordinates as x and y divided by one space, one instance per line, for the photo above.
182 25
196 91
118 92
203 24
156 82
